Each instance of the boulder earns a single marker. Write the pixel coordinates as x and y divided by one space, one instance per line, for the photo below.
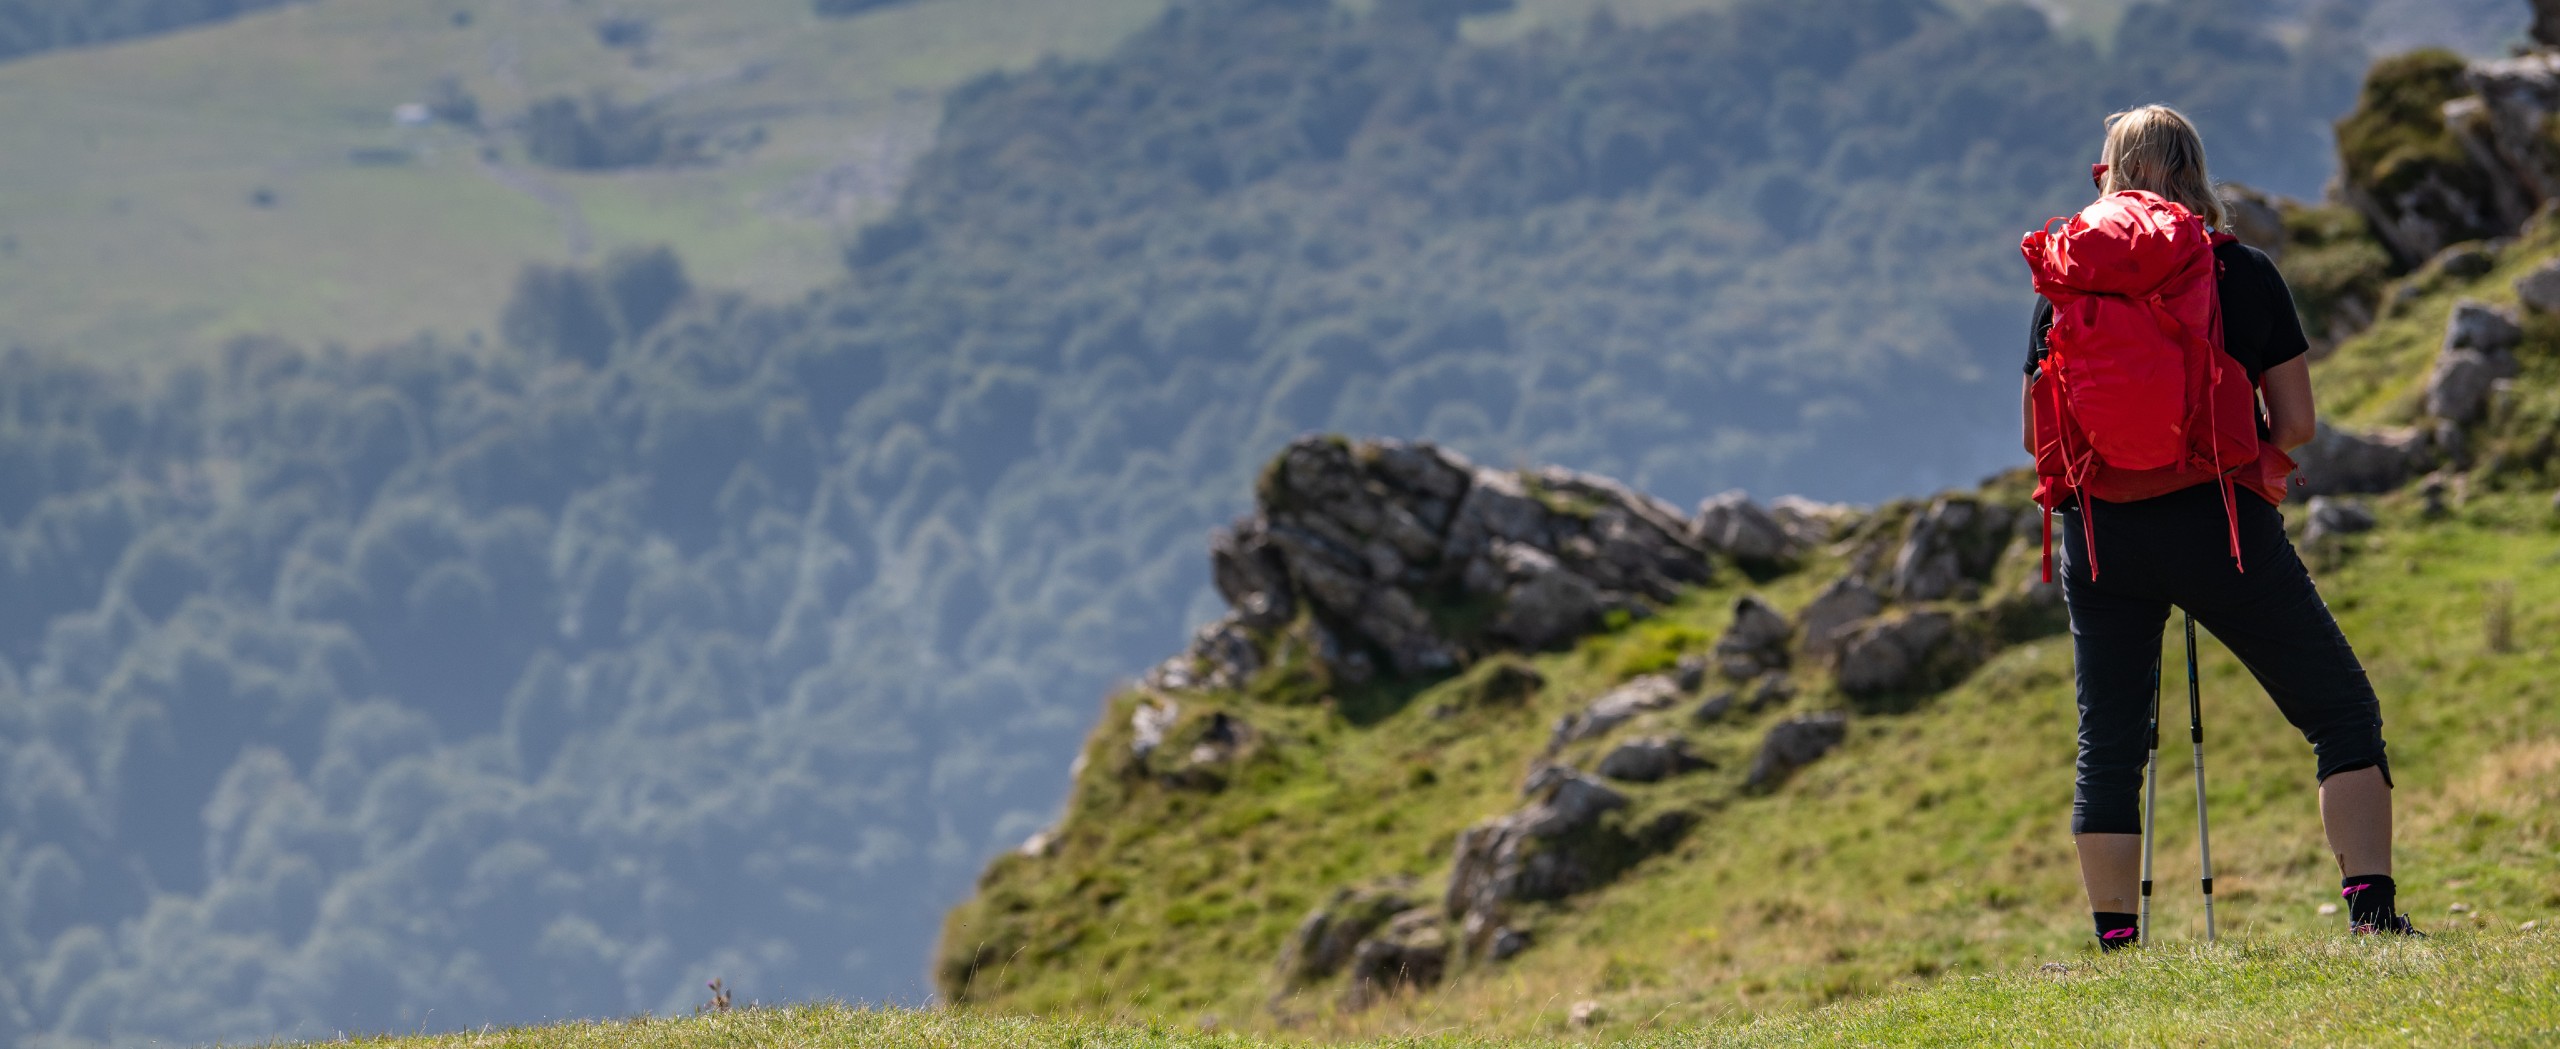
1755 642
1714 708
1734 525
1411 952
2479 349
1810 523
1326 937
1558 845
2540 290
1372 537
1772 690
1953 543
2333 517
1614 708
1793 744
2479 326
1650 760
1223 738
1689 672
2504 126
1892 653
1508 682
2341 461
1847 600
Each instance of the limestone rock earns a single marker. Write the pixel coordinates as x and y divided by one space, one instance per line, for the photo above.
1772 690
1371 536
1714 708
1734 525
1755 642
1325 938
1890 653
2479 326
1554 847
1793 744
1847 600
1616 707
1223 738
1954 542
1650 760
1221 655
1690 672
1411 952
1250 574
2540 289
2479 349
2341 461
1148 724
2333 517
1810 523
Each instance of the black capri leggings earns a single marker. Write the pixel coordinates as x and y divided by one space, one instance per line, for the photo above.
2176 550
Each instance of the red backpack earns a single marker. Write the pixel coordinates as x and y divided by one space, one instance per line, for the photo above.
2136 397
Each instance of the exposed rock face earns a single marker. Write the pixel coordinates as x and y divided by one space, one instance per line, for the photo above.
1221 655
2479 349
2339 460
1889 654
2540 289
1369 535
1812 523
1326 937
1649 760
1553 848
1955 542
2501 168
1847 600
1412 952
1756 641
1794 744
2332 517
1734 525
1614 708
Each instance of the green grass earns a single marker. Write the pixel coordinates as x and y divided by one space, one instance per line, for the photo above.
2489 987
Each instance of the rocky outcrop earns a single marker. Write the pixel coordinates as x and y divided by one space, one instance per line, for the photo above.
1563 843
1650 760
1755 642
1373 537
1827 617
2479 349
1794 744
2546 22
1325 939
2539 290
1733 525
1614 708
1221 655
2338 460
1412 952
1949 549
1148 725
1892 653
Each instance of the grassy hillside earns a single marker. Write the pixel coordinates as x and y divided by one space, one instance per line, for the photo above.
2492 987
134 222
1932 844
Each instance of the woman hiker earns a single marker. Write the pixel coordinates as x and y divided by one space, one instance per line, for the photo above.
2214 547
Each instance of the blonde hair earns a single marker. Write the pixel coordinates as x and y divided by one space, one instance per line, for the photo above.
2156 148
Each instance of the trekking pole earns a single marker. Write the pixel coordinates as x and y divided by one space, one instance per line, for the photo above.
2150 806
2195 719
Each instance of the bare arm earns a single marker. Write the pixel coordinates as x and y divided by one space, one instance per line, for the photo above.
2027 413
2290 413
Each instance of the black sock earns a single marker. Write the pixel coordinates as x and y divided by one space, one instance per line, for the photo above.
2116 929
2371 899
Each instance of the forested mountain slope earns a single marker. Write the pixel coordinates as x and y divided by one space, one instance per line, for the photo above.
673 634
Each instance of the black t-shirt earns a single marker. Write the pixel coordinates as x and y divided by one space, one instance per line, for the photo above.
2259 328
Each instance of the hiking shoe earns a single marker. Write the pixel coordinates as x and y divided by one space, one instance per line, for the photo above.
2396 925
